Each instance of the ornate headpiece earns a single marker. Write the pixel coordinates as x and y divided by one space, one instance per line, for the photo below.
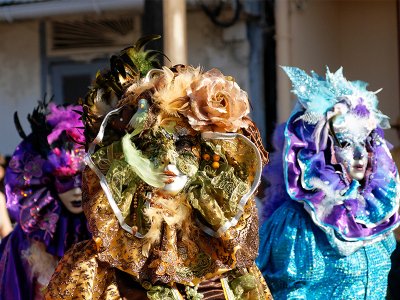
65 157
330 112
47 162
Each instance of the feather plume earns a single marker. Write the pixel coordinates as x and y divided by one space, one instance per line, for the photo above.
129 65
42 263
102 104
18 125
171 95
134 62
64 119
174 212
40 128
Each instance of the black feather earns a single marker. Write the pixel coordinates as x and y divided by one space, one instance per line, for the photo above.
18 126
40 129
144 40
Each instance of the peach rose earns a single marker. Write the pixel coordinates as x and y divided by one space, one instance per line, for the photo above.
216 103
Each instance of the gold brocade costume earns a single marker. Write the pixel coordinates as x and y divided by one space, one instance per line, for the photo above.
88 270
169 192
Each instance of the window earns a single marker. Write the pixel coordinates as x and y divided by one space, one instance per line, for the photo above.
70 80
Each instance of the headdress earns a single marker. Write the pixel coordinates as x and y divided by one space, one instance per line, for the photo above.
330 111
47 162
153 132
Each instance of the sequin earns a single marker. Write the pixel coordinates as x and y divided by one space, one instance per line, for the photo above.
298 261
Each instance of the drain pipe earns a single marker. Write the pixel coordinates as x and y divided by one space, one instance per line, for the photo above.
283 58
10 13
175 39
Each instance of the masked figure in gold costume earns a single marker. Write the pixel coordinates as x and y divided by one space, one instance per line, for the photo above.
174 163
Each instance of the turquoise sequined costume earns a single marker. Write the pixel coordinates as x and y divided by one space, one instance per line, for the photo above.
298 262
328 233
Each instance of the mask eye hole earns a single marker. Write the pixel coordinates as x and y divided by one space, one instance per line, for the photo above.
182 145
369 143
336 141
344 144
64 179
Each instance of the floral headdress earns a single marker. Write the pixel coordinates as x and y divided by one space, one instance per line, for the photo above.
48 161
330 109
66 140
168 146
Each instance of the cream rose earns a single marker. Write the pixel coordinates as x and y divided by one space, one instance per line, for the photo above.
216 103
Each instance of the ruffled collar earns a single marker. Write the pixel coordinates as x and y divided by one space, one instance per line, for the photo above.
346 210
35 206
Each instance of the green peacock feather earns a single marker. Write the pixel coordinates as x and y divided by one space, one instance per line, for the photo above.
134 62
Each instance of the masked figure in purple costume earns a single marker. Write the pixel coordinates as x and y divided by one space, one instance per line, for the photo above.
331 212
43 186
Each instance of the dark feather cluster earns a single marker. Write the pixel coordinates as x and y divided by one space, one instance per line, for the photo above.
127 67
40 128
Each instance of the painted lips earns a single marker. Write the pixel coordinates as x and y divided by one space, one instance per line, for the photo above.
76 203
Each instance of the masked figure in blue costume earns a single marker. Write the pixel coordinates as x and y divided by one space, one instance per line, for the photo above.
330 214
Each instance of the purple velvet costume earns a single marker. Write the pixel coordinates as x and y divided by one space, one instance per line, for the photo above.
34 205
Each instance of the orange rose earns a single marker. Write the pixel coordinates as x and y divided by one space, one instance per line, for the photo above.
216 103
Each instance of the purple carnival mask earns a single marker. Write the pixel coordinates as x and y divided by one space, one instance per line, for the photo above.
72 200
68 177
69 191
66 183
